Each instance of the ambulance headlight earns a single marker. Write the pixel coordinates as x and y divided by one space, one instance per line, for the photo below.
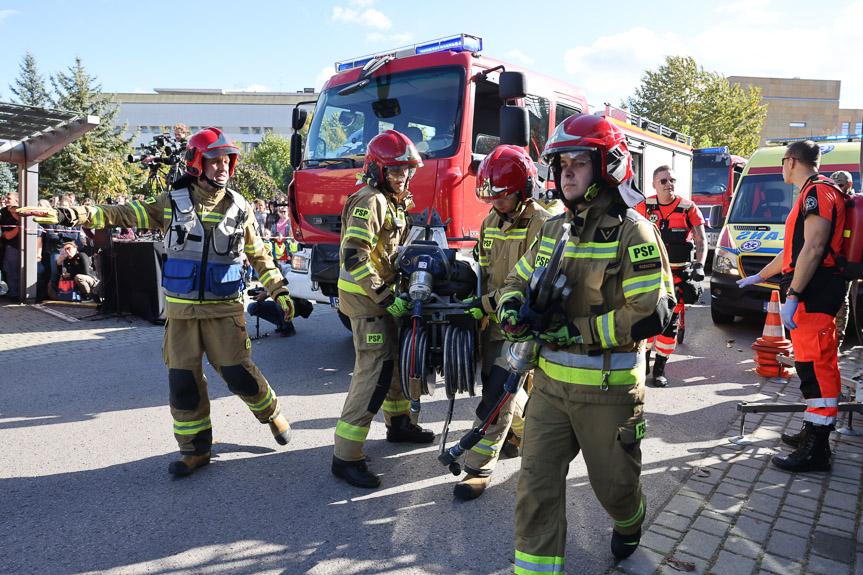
725 262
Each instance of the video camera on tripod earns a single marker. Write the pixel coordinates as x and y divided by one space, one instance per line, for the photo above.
164 149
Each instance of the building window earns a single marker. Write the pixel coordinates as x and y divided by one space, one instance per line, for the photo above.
156 129
256 131
270 129
144 129
244 131
797 124
858 128
846 126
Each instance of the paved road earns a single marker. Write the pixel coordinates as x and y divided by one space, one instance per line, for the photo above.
85 440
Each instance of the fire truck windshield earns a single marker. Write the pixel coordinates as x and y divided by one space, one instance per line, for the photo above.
709 181
425 105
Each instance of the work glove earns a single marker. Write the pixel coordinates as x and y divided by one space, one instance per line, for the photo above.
399 306
750 280
561 335
475 308
789 308
513 329
46 215
287 304
697 272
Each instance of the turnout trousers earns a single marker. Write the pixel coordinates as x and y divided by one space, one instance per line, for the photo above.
555 431
228 350
374 385
666 342
482 458
817 365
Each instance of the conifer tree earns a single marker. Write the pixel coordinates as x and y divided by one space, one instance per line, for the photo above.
29 88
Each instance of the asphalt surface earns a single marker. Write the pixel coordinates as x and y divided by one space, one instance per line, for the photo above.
85 441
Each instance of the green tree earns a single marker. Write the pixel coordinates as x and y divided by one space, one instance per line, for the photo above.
273 154
687 98
8 182
108 176
67 171
29 87
251 181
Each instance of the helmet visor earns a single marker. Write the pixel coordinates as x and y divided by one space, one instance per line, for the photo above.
406 169
487 191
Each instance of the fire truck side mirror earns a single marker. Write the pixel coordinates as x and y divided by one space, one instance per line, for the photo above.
298 119
514 126
296 149
512 86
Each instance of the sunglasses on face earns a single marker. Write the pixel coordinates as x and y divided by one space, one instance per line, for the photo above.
664 181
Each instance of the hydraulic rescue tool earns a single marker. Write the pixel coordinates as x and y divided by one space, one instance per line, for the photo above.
546 290
440 337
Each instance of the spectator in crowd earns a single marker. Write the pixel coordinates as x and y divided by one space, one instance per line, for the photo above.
47 254
261 215
272 215
282 227
12 240
78 267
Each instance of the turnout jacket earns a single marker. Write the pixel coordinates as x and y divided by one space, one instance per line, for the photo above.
501 245
373 228
622 293
210 209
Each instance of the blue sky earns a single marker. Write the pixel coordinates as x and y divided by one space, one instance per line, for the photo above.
292 44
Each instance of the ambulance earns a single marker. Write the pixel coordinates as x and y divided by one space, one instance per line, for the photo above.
754 230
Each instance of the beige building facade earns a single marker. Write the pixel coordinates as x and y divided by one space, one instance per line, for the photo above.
799 108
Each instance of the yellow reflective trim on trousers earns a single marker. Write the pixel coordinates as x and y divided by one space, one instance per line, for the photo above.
269 276
397 406
196 302
642 284
592 377
351 432
634 519
527 564
264 403
487 447
605 329
350 287
192 427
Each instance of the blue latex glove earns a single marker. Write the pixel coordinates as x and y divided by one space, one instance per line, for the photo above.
789 308
750 280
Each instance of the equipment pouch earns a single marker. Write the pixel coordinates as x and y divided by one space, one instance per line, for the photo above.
180 276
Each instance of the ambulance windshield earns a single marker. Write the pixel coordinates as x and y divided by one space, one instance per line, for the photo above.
423 104
762 199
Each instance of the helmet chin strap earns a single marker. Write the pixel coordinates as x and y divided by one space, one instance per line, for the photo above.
213 183
589 196
515 210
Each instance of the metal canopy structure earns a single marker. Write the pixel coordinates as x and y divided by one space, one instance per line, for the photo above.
29 135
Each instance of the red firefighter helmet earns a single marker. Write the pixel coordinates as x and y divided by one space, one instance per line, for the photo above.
209 143
505 171
390 149
586 132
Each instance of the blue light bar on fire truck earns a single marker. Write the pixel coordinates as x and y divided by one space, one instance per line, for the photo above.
719 150
834 138
460 43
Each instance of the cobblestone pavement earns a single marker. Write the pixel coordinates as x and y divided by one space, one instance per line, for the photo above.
745 516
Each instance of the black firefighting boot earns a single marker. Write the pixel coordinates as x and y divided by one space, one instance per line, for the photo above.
188 464
471 487
647 364
510 446
622 546
794 440
281 429
355 472
659 379
401 430
812 453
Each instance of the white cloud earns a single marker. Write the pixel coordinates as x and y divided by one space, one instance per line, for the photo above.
611 68
369 17
254 88
6 13
325 74
519 56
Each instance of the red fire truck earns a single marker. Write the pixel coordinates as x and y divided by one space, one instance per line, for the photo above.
452 101
715 173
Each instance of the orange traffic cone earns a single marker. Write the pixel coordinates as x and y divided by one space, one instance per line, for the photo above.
771 343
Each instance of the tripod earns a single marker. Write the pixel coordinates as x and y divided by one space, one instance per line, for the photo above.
155 183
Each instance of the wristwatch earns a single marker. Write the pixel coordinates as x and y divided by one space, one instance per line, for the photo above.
792 292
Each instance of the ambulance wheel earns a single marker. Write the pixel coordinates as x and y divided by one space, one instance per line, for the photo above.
680 333
720 318
346 321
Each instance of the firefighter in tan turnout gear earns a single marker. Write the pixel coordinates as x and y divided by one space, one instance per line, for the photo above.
207 228
374 224
506 179
588 387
